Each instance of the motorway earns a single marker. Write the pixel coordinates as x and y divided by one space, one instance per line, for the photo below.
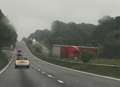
43 74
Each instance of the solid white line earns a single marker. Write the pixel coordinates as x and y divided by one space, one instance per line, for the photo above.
87 73
60 81
6 67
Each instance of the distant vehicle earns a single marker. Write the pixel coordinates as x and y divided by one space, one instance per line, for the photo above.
22 62
19 51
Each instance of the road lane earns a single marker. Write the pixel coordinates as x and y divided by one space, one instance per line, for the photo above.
26 78
9 78
71 78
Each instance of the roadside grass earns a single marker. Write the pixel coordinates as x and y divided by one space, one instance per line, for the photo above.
106 61
3 60
101 70
111 71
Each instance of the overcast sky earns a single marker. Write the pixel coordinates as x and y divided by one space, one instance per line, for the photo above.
29 15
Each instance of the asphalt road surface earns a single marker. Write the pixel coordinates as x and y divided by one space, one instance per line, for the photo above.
43 74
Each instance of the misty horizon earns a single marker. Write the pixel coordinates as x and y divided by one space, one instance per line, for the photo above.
28 16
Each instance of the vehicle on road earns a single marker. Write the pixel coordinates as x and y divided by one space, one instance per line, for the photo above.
19 53
19 50
22 62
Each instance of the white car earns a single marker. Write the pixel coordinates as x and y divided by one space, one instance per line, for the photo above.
22 62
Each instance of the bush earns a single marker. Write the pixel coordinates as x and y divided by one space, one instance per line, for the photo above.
38 48
86 57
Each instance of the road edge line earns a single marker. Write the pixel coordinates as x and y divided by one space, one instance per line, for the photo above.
83 72
2 70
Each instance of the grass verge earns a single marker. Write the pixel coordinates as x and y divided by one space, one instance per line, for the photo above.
106 61
3 60
101 70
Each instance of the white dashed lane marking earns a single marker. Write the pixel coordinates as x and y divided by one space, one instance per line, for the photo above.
43 72
50 76
60 81
38 69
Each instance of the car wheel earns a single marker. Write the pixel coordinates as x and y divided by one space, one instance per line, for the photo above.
27 66
15 66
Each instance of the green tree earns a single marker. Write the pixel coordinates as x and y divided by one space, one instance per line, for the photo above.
86 57
71 33
107 34
8 35
65 33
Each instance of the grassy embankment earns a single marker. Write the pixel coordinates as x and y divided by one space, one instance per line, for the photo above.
75 64
3 60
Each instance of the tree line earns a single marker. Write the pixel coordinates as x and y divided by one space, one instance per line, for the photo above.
105 35
8 35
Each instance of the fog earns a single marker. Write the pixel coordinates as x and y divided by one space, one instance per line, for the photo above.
29 15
